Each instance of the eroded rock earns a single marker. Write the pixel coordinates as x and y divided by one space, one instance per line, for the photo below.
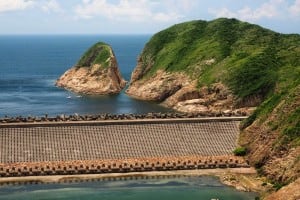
96 73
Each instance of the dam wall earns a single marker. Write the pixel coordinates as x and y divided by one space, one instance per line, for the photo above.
107 144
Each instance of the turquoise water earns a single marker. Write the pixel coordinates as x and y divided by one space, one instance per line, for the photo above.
184 188
29 66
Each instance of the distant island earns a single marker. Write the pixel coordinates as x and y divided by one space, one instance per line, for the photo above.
96 73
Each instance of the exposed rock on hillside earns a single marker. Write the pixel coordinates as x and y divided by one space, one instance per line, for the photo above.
176 90
96 73
159 87
273 139
290 192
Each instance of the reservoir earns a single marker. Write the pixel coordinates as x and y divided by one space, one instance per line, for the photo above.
173 188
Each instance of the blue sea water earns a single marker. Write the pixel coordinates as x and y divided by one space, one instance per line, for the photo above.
29 66
182 188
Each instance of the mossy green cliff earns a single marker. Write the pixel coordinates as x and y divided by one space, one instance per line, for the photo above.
225 64
95 73
99 53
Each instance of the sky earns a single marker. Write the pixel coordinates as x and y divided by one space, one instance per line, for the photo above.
139 16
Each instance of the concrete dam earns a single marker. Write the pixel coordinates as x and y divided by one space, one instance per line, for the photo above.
127 145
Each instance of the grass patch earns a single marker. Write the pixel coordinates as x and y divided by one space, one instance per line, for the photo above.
277 185
293 128
240 151
255 77
97 54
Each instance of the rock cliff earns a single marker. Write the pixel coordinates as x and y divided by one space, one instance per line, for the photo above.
95 73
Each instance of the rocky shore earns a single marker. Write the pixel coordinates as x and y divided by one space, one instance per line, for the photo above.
177 91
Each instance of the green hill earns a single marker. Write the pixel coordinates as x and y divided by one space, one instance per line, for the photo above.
256 64
251 60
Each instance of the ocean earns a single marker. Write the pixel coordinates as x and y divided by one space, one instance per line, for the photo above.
179 188
30 65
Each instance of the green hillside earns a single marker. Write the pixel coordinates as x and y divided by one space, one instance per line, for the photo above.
97 54
258 65
249 59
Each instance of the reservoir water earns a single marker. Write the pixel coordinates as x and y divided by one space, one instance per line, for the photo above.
29 66
182 188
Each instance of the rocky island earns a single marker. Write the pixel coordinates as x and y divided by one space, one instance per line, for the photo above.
96 73
226 65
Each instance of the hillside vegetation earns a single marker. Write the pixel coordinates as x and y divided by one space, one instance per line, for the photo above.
260 67
249 59
99 53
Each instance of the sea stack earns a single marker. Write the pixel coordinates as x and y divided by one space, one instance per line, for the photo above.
96 73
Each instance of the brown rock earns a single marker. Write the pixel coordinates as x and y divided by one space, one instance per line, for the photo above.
179 92
161 86
290 192
94 79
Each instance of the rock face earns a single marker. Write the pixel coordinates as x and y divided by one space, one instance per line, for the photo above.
290 192
273 139
178 91
96 73
159 87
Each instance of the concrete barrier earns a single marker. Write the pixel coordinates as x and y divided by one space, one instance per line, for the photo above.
109 117
92 167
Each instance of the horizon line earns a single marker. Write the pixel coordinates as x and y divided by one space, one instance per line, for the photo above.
75 34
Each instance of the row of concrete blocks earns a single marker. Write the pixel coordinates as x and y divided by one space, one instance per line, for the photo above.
77 117
114 168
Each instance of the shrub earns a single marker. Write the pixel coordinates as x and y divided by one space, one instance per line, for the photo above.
293 128
278 185
240 151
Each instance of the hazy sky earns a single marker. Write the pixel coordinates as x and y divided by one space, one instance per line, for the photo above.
138 16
